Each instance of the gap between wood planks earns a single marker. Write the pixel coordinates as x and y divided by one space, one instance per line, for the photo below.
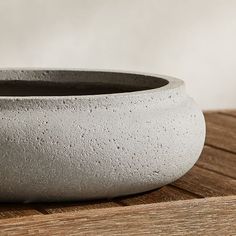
221 131
217 160
219 173
228 113
219 148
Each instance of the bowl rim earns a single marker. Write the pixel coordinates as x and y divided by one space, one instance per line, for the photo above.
173 83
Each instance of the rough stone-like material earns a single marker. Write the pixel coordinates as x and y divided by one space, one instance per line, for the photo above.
132 133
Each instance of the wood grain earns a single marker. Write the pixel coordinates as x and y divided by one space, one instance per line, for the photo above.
211 216
8 210
206 183
219 161
221 131
229 112
164 194
51 208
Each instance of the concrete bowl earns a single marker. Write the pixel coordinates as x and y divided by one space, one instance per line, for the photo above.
76 135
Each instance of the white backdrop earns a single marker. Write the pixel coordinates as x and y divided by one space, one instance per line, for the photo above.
191 39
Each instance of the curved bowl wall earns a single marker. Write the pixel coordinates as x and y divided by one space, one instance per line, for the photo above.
138 137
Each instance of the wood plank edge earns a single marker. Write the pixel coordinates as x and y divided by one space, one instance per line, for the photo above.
185 191
214 171
110 211
227 114
208 216
219 148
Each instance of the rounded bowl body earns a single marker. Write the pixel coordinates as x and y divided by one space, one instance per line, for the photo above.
96 146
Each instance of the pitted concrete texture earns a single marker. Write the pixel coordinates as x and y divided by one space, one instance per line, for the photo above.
78 135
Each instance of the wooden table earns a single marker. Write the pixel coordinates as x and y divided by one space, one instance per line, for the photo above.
203 202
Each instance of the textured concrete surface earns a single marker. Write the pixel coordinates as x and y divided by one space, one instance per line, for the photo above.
75 147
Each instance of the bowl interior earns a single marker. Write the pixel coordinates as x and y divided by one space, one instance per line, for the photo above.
67 83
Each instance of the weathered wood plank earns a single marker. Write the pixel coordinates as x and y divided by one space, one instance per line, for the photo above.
164 194
212 216
51 208
8 210
219 161
221 131
206 183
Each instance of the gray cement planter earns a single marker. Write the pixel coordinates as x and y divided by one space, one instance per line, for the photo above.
73 135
